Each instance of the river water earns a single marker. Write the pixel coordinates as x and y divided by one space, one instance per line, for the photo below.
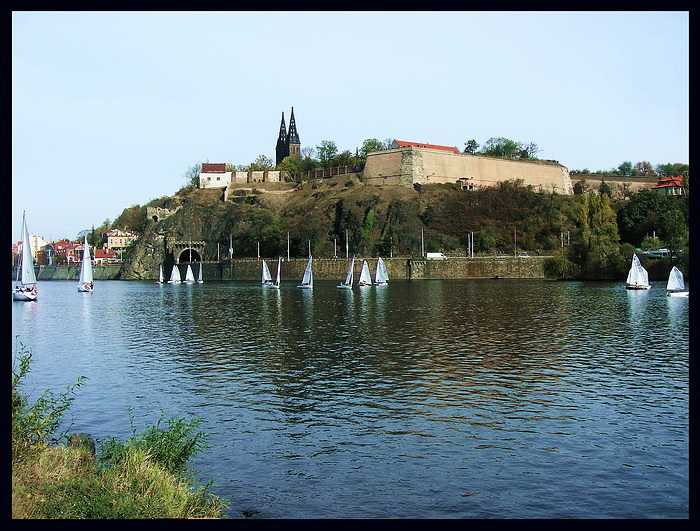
422 399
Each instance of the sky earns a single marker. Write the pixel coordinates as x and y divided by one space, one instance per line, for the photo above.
111 108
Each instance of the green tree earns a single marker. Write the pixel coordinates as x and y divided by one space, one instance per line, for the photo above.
370 144
327 150
501 147
471 146
261 163
604 189
625 168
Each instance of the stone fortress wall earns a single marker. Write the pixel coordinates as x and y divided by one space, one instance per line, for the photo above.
412 165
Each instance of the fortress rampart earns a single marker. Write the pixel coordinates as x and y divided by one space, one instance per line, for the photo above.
412 165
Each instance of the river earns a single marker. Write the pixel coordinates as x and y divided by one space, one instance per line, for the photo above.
421 399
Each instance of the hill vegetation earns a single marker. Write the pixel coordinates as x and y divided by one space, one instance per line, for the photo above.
589 235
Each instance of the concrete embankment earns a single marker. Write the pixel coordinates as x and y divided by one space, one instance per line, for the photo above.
99 272
334 269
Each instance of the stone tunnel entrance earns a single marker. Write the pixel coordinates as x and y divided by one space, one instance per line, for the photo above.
186 251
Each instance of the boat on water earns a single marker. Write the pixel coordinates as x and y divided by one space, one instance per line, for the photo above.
25 284
189 275
365 277
175 276
381 276
160 275
85 283
347 283
638 277
675 287
307 281
199 277
276 283
266 276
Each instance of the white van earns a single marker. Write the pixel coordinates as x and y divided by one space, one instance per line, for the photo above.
435 256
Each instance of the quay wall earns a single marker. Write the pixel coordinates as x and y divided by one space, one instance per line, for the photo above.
334 269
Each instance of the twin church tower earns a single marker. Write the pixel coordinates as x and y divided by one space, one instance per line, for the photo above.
288 142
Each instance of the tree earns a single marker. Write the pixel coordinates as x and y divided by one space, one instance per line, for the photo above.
625 168
192 175
604 189
501 147
530 150
471 146
643 168
261 163
326 151
370 144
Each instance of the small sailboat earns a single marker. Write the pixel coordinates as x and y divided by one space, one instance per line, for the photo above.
85 283
675 287
175 276
347 283
160 275
381 277
199 277
266 276
25 284
276 283
307 281
638 277
365 277
189 275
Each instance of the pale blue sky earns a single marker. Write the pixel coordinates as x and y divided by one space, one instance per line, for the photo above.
110 109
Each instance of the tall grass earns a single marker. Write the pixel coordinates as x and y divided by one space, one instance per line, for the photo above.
143 477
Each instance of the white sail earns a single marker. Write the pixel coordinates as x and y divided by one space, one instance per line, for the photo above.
347 283
307 281
266 276
199 278
365 277
175 275
675 280
189 275
25 287
160 274
85 277
279 273
381 277
638 277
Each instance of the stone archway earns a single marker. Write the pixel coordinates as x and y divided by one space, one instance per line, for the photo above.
182 250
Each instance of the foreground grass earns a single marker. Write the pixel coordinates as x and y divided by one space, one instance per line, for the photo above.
143 477
67 483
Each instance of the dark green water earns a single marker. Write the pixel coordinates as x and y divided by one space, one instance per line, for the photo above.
423 399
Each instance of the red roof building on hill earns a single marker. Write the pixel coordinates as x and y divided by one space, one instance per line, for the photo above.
669 186
401 144
213 167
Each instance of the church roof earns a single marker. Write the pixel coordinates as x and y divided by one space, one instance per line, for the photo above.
401 143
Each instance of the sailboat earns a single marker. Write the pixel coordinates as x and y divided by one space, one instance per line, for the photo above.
25 284
675 287
199 277
637 278
175 276
307 281
160 274
381 277
276 284
365 277
347 283
266 276
189 275
85 284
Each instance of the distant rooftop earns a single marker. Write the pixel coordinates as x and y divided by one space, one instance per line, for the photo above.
401 143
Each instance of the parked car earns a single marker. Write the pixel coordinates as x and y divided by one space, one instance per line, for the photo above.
523 255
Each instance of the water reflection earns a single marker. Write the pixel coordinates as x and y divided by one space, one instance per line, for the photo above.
357 403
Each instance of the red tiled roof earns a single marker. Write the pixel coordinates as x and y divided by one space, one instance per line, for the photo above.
665 182
213 167
105 253
401 143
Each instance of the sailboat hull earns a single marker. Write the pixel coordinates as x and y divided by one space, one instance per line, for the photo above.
85 288
677 293
26 296
637 287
